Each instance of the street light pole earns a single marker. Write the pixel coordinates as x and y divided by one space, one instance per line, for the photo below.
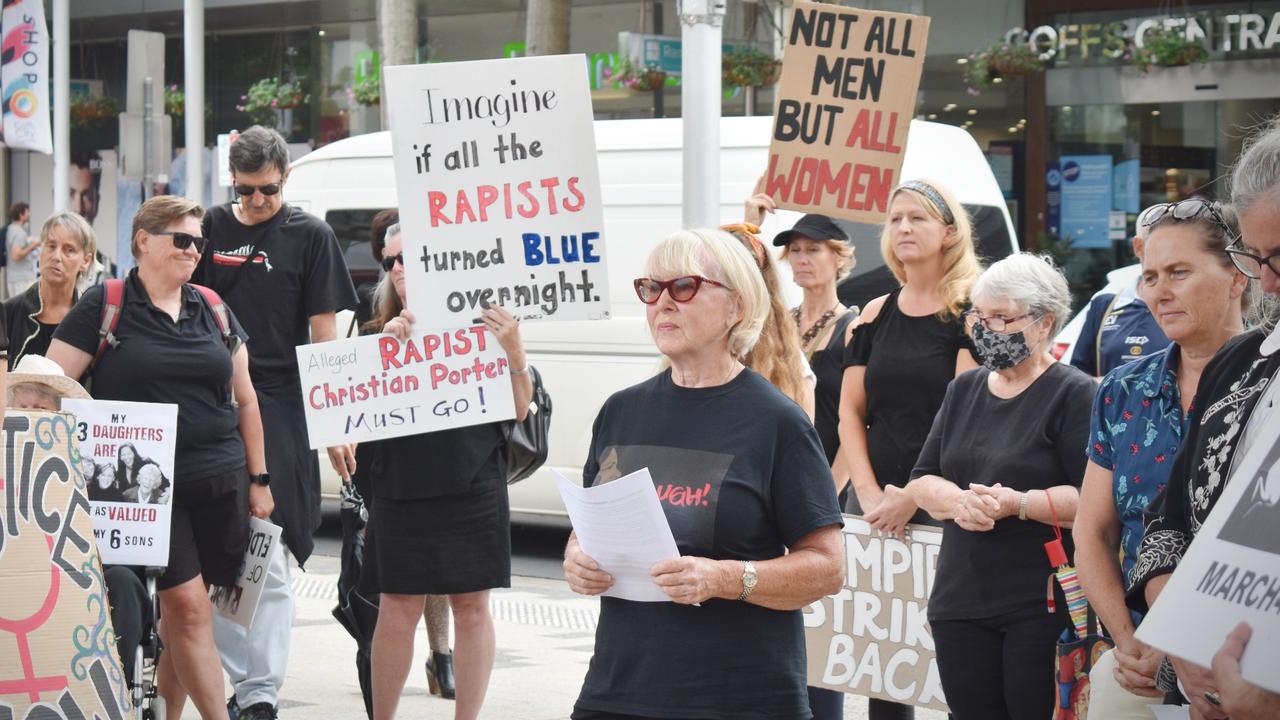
701 22
193 82
61 104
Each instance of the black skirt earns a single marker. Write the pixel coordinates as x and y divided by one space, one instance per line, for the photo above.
441 545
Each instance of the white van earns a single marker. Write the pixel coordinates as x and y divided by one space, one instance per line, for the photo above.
582 363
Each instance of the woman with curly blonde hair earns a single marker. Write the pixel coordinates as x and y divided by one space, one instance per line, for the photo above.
777 354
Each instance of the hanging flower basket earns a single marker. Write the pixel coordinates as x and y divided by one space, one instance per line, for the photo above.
367 92
1168 48
87 110
268 96
750 68
641 79
998 61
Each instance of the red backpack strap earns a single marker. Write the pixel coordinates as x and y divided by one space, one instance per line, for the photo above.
112 308
219 309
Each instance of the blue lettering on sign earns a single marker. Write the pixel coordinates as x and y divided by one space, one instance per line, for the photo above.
540 250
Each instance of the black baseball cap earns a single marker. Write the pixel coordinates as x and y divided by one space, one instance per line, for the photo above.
814 227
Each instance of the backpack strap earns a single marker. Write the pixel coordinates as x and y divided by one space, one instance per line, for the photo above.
112 308
219 309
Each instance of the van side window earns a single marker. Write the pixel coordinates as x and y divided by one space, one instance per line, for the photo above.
352 229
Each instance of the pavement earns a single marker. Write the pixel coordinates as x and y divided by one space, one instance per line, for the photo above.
545 638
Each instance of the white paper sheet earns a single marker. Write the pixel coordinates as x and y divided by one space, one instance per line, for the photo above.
622 527
1170 712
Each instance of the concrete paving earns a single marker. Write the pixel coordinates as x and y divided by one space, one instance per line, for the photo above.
545 637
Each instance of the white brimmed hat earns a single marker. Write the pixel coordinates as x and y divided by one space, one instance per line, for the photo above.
41 370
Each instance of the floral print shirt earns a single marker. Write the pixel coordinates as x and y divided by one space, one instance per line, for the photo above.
1136 429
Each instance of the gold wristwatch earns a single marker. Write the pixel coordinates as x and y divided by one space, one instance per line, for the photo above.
749 580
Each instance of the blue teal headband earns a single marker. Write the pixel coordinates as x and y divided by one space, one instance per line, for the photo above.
934 197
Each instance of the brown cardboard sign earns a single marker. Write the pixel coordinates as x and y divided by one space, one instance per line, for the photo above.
57 646
872 638
845 102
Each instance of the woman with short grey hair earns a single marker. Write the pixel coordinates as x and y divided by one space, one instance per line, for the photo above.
1002 468
1235 400
67 245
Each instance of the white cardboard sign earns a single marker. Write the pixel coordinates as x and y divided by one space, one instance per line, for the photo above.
239 603
376 386
1231 573
495 164
126 457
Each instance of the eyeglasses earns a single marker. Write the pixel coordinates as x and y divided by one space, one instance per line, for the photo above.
389 261
182 240
995 323
1185 210
1251 265
681 289
267 190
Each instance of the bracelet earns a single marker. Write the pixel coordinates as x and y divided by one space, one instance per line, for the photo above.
1022 507
522 371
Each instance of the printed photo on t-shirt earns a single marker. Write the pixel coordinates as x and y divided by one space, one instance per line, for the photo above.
688 483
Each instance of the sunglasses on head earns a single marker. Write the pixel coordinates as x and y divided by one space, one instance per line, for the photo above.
269 189
681 289
1185 210
389 261
182 240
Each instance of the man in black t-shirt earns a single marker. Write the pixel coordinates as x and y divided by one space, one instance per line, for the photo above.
281 271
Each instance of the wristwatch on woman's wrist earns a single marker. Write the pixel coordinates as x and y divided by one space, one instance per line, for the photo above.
263 479
1022 507
748 580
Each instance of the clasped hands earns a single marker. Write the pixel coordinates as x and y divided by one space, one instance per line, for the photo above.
978 507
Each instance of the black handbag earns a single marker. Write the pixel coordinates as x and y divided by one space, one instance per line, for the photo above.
527 441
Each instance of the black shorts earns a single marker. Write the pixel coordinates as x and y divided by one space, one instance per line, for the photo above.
210 529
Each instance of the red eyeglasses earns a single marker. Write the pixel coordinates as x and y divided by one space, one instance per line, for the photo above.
681 289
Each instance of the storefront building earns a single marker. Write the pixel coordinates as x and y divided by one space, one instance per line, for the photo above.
1053 90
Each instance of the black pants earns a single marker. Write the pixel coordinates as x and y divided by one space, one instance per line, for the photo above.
999 668
130 612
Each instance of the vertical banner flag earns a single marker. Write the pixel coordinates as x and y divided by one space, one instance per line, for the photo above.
495 165
1231 572
872 638
845 101
126 457
57 648
24 76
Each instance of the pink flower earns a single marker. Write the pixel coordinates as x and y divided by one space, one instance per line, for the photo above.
274 103
244 97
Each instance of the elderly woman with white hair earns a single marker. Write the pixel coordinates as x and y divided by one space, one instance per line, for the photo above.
1002 468
760 541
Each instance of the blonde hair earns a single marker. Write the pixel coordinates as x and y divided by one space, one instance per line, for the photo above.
959 259
845 261
717 255
386 305
79 228
775 354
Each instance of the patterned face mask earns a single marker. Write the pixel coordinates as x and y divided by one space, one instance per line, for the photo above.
1000 351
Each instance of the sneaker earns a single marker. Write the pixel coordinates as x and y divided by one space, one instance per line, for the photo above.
258 711
233 709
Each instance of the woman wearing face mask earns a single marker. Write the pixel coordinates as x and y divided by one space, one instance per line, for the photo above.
1139 418
906 347
1001 467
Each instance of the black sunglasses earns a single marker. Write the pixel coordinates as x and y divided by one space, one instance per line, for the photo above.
182 240
1251 265
682 289
1184 210
268 189
389 261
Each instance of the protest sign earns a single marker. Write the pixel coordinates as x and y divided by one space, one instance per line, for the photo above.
376 386
239 603
57 648
872 638
495 165
126 457
845 102
1231 572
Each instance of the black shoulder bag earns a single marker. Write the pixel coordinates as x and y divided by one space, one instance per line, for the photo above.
527 441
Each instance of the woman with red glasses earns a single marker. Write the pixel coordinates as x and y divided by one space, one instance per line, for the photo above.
440 520
761 541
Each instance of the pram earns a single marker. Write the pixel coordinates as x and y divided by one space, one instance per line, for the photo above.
135 606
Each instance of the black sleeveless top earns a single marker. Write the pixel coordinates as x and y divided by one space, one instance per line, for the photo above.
827 363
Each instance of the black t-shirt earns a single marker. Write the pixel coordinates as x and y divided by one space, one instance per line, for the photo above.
1033 441
828 365
741 475
294 270
159 361
910 361
39 345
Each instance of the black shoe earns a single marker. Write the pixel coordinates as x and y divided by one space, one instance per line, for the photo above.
440 675
233 709
258 711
